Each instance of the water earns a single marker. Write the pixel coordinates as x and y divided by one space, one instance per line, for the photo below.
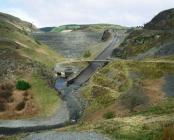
60 84
169 85
66 93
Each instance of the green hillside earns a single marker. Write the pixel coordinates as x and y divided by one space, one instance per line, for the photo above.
23 57
87 27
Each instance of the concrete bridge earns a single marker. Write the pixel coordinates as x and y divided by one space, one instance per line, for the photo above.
85 60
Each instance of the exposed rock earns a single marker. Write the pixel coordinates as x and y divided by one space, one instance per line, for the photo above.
106 35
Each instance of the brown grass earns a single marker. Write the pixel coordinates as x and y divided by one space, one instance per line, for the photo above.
15 103
153 89
168 133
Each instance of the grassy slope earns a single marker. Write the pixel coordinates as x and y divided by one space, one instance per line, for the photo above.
30 48
33 50
111 88
163 21
46 98
151 41
143 109
141 41
90 27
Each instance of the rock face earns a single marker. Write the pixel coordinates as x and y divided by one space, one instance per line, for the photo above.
163 21
106 35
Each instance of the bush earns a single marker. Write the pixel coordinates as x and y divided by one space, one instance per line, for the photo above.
87 54
109 115
22 85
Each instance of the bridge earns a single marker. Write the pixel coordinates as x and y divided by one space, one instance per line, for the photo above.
84 60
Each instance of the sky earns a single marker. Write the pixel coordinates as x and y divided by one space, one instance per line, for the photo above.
45 13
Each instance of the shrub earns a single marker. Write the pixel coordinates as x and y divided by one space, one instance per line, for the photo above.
87 54
22 85
109 115
38 42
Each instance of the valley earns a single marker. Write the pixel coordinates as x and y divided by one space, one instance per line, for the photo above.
120 87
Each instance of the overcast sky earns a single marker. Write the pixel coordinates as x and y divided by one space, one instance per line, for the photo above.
59 12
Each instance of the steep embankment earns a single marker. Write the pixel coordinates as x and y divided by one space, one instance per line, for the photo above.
155 40
22 57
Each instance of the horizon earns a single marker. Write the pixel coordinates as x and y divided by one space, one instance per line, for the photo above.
125 13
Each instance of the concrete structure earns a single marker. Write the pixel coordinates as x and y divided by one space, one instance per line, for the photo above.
64 71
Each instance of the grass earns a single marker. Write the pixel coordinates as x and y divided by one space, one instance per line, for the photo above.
105 86
30 47
45 97
165 107
87 27
151 70
147 123
139 42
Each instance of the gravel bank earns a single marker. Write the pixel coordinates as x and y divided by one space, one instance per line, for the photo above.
53 135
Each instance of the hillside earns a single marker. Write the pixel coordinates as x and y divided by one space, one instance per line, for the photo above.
155 40
125 97
24 58
16 22
128 97
132 98
163 21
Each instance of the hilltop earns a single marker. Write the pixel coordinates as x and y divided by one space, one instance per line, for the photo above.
163 21
87 27
155 40
16 22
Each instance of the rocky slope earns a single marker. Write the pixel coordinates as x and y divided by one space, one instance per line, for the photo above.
155 40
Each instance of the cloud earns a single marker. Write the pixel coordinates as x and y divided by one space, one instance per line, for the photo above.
58 12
